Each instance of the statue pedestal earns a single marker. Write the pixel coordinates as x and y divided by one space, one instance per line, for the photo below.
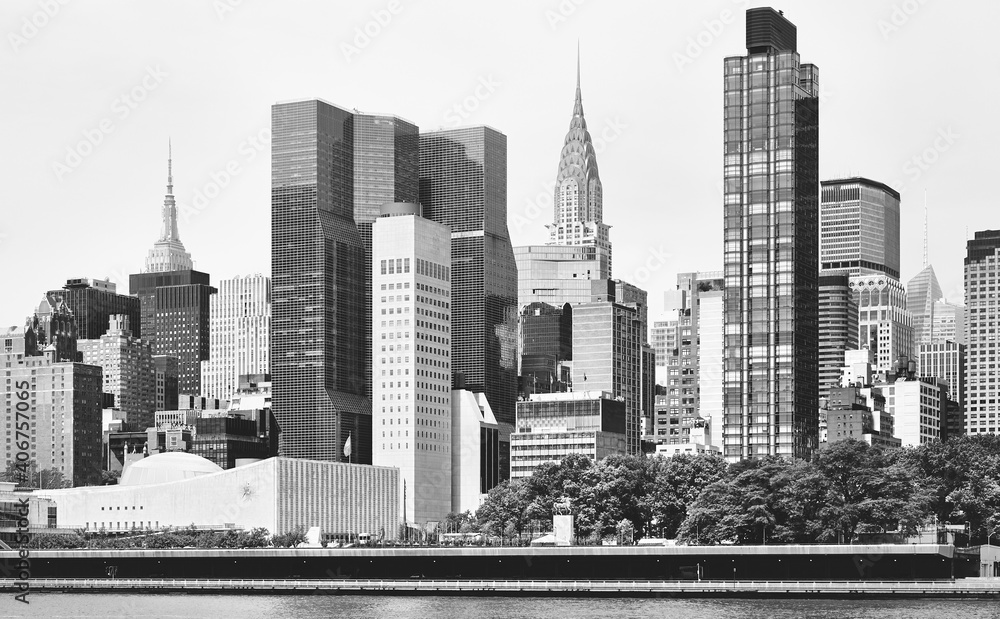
564 530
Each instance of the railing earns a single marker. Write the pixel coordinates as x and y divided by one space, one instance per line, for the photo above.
977 586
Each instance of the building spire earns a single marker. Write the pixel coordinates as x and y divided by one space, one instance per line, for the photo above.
170 168
925 229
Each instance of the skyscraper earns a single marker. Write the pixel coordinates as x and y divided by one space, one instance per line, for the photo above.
546 348
859 237
386 170
239 334
93 303
463 184
62 398
771 244
859 227
575 264
411 358
168 253
173 299
579 195
610 354
982 322
317 264
922 294
127 369
838 329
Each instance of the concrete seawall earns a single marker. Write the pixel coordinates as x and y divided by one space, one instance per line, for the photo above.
962 588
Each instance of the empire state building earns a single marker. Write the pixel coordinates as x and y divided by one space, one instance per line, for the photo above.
168 253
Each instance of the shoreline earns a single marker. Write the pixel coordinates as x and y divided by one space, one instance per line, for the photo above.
973 588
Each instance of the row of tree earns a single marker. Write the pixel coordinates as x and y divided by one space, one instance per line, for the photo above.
846 490
180 538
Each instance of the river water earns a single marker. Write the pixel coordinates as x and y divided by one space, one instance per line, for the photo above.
192 606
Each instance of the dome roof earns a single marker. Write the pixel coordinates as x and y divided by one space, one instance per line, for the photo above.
167 467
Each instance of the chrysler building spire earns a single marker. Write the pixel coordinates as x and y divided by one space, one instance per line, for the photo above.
579 195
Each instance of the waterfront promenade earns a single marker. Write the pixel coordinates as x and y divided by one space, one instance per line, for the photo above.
988 588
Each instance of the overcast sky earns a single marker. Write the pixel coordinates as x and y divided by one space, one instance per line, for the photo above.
91 91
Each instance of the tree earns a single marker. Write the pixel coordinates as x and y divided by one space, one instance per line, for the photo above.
27 475
291 539
674 484
110 478
504 512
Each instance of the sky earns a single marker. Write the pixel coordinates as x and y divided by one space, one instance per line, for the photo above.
91 93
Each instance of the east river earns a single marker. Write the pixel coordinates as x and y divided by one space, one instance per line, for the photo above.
197 606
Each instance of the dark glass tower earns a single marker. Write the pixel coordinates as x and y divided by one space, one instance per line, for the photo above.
546 347
175 320
386 170
317 262
94 302
771 245
463 183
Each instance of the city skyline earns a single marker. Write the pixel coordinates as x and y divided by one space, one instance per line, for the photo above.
932 124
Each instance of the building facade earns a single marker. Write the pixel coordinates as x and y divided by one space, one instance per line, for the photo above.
317 271
771 188
982 323
61 398
838 329
127 368
545 338
239 334
93 302
945 362
463 184
922 295
859 227
610 354
475 450
411 357
551 426
165 369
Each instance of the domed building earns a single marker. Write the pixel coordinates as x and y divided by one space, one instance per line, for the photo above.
167 467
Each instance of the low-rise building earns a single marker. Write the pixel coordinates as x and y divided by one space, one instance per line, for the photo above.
551 426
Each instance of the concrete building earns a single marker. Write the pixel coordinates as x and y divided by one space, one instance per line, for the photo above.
127 369
945 362
279 494
676 431
663 339
41 514
411 358
551 426
686 384
610 354
982 323
475 450
885 326
239 334
771 219
93 302
859 228
61 399
318 331
918 408
838 329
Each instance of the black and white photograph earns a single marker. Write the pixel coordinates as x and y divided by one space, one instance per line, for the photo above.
567 309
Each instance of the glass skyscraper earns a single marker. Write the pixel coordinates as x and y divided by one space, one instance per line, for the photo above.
317 267
386 170
859 227
771 245
463 184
